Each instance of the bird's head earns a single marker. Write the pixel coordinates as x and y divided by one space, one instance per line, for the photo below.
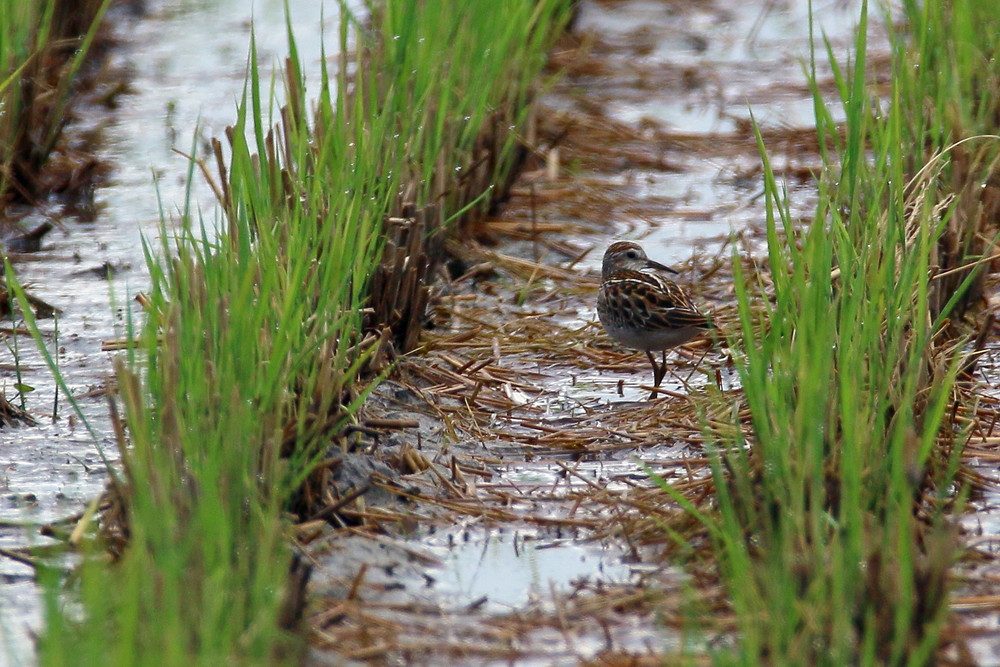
626 255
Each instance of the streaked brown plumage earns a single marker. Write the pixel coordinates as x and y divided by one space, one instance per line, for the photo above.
643 310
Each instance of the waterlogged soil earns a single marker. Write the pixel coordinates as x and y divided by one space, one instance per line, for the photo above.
507 462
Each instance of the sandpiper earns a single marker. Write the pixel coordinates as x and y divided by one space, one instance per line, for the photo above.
643 310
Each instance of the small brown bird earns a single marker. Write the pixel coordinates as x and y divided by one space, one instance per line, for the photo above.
643 310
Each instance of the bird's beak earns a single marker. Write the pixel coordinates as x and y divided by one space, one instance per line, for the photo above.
650 264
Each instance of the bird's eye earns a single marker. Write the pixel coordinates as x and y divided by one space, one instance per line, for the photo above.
631 254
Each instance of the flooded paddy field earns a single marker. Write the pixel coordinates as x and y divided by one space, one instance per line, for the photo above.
509 514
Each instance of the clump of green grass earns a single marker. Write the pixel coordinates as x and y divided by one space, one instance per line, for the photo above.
22 25
832 533
945 62
254 353
42 48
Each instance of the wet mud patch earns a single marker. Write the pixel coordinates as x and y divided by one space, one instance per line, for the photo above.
506 545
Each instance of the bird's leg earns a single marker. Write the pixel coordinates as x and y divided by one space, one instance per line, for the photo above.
658 371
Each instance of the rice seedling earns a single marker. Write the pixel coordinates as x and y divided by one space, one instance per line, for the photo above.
832 531
43 45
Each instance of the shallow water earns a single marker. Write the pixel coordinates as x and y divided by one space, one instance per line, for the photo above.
506 568
695 70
